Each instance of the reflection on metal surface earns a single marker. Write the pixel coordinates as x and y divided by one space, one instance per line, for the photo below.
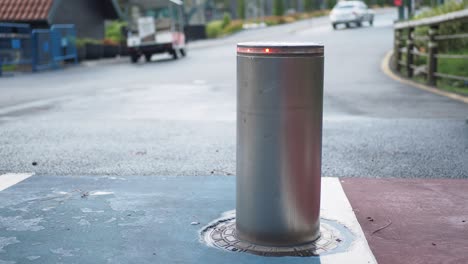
279 143
222 234
278 48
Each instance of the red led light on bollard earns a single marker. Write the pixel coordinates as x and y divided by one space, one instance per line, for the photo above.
265 48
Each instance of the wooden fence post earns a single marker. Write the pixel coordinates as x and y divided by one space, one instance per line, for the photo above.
409 53
396 50
431 58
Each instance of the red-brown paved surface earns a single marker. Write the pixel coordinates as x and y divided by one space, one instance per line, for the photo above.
426 221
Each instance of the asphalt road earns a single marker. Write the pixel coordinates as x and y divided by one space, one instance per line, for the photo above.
178 117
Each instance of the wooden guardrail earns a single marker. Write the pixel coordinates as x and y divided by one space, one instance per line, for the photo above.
405 49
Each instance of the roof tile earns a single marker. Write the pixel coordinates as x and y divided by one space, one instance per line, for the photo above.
24 10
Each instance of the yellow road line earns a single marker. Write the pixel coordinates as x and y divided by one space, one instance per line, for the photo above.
385 66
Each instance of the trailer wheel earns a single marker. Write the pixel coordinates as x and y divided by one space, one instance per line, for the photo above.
174 54
134 58
148 57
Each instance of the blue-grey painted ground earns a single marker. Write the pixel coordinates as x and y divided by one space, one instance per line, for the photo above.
178 117
140 219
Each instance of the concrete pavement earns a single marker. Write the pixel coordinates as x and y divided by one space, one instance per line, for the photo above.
178 117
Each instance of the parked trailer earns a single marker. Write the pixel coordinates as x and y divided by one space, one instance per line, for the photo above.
155 26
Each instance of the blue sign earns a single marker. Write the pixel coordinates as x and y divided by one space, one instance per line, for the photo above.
16 43
64 42
45 47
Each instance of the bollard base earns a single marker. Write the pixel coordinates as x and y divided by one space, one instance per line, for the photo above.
222 234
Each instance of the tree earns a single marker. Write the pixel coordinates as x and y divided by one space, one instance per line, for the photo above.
308 5
319 4
278 8
241 9
233 9
330 3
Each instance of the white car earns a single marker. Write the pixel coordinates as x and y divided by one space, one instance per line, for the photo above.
351 12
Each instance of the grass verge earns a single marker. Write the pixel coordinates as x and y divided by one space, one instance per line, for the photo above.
226 26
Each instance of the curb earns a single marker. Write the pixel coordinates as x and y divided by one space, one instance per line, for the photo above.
385 66
106 61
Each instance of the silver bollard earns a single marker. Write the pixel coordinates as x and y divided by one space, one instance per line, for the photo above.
279 142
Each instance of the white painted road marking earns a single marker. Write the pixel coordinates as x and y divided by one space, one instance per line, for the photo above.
10 179
34 104
335 206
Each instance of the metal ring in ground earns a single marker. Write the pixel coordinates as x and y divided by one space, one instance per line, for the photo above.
222 234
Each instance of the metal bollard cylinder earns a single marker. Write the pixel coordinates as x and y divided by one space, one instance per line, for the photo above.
279 142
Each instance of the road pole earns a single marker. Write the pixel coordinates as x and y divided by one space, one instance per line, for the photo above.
401 13
279 142
410 5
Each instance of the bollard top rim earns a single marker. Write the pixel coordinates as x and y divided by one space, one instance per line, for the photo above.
280 48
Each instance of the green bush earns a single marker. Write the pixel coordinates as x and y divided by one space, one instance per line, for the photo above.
218 28
456 27
214 29
278 20
233 27
457 67
81 42
227 26
226 20
8 68
273 20
114 31
450 6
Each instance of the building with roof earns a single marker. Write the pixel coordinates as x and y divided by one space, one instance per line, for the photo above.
88 16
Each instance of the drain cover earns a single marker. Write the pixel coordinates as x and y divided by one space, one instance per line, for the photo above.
222 234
